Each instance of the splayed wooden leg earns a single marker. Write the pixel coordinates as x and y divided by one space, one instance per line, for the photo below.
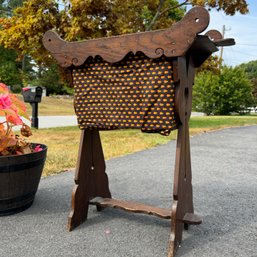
90 178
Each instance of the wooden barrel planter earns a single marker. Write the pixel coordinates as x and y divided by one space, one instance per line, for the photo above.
19 180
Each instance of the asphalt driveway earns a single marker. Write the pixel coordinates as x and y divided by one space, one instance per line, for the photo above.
224 165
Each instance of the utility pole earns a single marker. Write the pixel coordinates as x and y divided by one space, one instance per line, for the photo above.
224 29
221 50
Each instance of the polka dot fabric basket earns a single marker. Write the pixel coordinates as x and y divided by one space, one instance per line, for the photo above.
137 92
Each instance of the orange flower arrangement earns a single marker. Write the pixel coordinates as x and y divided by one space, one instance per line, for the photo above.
12 109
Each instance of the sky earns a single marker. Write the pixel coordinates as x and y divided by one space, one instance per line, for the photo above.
243 28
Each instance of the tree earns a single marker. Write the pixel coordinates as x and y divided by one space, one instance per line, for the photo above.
10 66
78 20
228 6
50 79
12 4
250 69
7 6
206 83
231 91
211 64
9 71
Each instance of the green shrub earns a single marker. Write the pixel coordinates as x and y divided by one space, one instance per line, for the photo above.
223 94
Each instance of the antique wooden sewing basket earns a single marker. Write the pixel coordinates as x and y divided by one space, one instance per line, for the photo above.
142 80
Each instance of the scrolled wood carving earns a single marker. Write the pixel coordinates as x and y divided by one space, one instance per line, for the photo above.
214 35
171 42
218 39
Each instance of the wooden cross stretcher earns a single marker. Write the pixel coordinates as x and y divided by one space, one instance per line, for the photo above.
142 80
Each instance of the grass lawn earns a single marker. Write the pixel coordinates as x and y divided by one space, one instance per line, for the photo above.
63 142
52 106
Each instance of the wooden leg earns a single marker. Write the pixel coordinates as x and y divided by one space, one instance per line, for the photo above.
182 209
90 178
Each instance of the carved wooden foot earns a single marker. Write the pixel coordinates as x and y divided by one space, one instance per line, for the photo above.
79 208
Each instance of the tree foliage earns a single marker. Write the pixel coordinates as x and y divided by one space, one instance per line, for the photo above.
228 6
50 78
230 91
23 32
9 68
250 69
78 20
212 64
7 6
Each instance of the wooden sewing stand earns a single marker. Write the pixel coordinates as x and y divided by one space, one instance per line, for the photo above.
184 50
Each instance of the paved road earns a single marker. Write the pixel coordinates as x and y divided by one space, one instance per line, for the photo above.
63 121
51 121
225 191
56 121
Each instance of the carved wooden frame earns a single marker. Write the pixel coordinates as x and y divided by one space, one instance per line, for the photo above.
189 50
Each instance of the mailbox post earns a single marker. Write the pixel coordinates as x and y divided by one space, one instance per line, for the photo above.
33 96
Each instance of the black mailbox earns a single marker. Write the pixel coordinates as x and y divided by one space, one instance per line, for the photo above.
32 94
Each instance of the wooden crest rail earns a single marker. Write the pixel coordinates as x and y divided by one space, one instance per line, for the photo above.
130 67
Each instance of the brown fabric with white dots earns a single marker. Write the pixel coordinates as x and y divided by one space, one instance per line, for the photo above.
136 92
